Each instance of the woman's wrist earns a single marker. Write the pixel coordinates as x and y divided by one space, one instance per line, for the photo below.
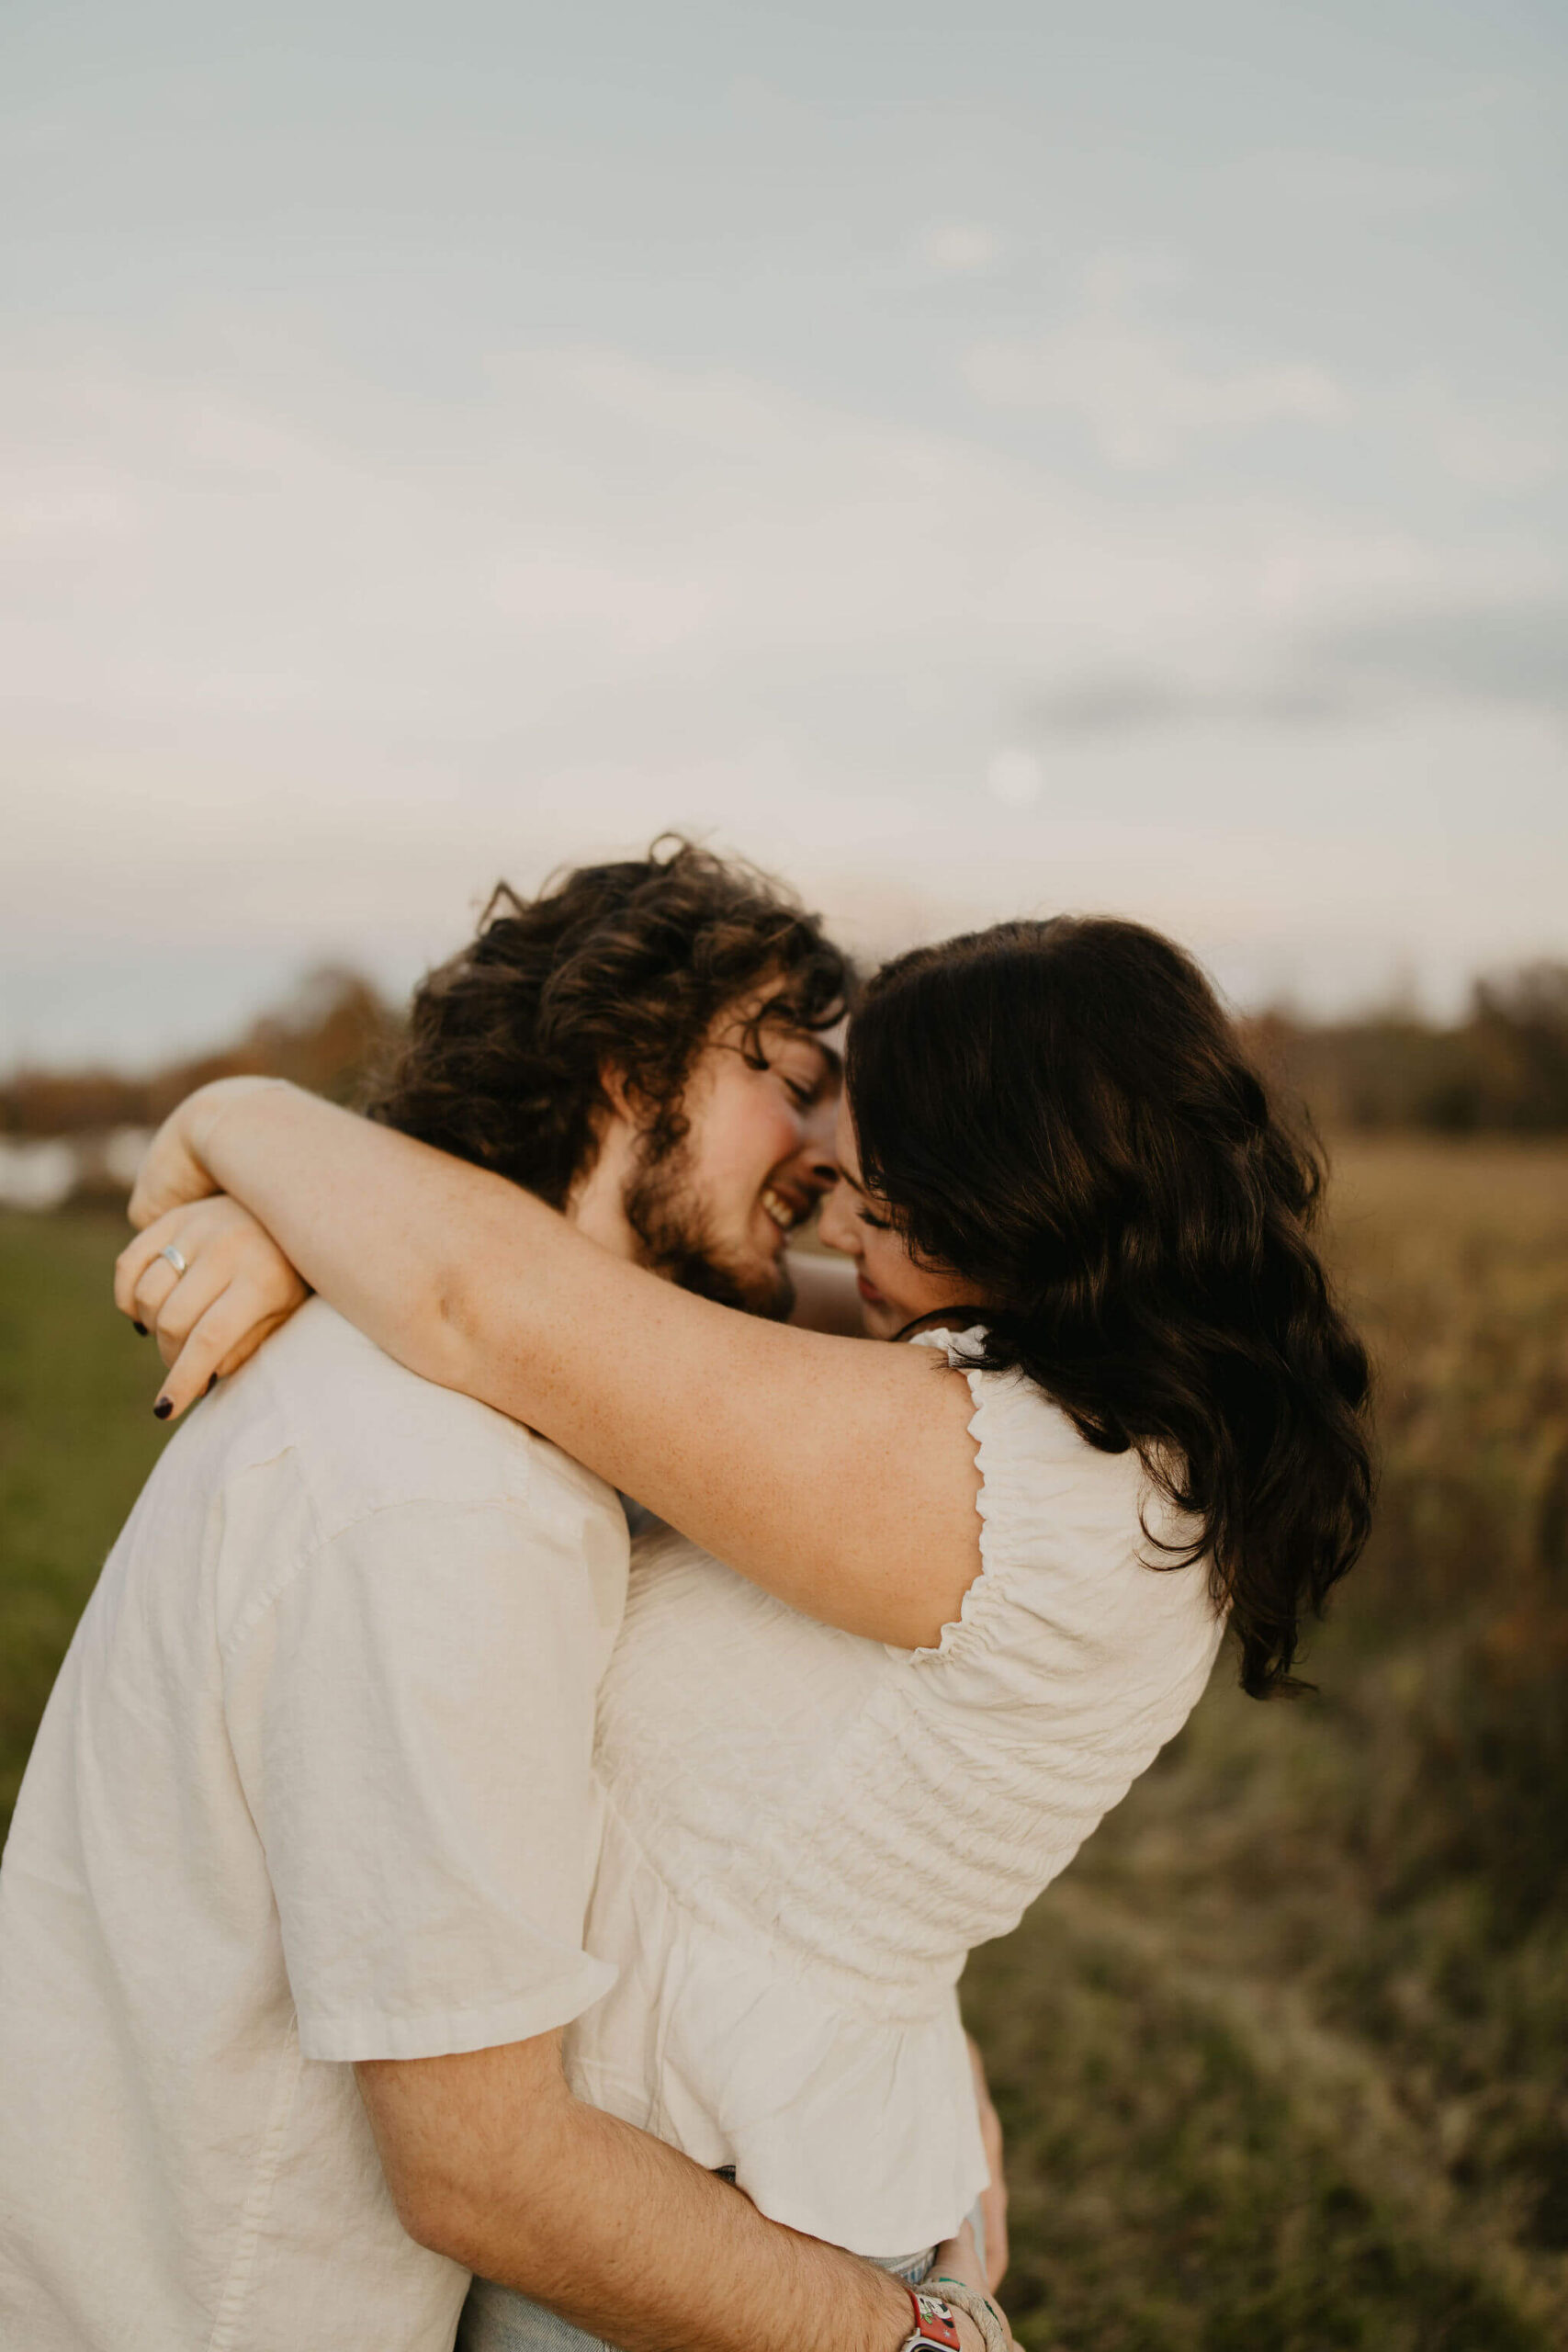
212 1109
979 2319
972 2335
183 1161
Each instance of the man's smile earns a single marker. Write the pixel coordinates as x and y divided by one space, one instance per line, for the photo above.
785 1214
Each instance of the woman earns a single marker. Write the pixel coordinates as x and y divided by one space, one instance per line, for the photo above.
989 1570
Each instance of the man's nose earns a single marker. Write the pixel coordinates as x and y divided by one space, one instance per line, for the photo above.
821 1173
834 1226
818 1162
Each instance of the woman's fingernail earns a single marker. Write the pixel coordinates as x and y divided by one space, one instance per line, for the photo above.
210 1385
140 1328
162 1409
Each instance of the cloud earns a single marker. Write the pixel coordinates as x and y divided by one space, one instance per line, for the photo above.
1344 182
303 669
1499 653
1482 446
959 249
1510 653
1133 703
1142 394
1015 777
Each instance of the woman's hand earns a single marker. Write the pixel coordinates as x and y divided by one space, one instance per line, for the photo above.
994 2196
957 2262
237 1286
175 1170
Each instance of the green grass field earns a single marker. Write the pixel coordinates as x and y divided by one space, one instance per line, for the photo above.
1283 2059
77 1438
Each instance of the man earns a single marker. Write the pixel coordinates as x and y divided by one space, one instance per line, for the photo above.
290 1919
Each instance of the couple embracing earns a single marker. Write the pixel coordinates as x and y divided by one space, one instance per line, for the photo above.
400 1896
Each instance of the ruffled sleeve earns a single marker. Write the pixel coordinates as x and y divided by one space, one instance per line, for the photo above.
1076 1622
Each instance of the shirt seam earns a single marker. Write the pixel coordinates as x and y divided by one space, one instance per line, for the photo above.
260 1606
255 2211
518 1458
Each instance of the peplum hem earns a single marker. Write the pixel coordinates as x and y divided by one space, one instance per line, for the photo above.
862 2133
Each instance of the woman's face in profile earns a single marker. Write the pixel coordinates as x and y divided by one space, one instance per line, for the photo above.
895 1288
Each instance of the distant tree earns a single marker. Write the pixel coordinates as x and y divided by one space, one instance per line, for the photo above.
328 1034
37 1102
1379 1072
1504 1068
1519 1049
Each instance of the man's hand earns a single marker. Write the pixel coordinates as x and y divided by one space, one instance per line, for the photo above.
491 2161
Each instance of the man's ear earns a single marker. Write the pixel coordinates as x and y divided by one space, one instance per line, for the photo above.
621 1095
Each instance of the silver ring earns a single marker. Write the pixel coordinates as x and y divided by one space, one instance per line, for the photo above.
173 1255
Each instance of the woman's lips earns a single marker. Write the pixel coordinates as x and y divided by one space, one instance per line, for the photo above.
869 1292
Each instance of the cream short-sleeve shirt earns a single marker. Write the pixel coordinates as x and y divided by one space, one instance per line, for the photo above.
313 1786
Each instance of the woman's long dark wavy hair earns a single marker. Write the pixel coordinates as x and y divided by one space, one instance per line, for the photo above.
1062 1112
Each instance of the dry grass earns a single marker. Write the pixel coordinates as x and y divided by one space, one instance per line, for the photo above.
1284 2057
76 1441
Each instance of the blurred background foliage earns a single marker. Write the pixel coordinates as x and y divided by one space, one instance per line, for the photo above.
1283 2059
1504 1067
324 1036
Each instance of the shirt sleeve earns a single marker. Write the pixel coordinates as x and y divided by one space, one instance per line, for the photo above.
413 1719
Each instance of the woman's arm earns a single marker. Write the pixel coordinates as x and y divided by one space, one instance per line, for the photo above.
841 1475
994 2196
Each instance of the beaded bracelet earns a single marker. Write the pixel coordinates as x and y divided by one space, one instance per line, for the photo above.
980 2308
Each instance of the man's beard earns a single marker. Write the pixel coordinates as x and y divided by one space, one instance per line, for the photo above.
665 1213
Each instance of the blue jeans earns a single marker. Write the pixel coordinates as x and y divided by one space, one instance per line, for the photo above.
497 2319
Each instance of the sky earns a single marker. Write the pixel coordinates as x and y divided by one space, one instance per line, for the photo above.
971 460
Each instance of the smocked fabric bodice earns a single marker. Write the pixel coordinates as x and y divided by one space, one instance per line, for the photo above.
807 1832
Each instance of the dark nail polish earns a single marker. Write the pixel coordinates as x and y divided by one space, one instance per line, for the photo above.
162 1409
139 1330
210 1385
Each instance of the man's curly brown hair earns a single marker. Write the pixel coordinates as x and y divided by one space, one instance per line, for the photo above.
621 968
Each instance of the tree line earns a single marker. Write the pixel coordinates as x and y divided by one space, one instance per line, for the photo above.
329 1034
1501 1068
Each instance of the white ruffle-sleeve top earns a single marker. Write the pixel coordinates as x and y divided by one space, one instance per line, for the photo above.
806 1832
